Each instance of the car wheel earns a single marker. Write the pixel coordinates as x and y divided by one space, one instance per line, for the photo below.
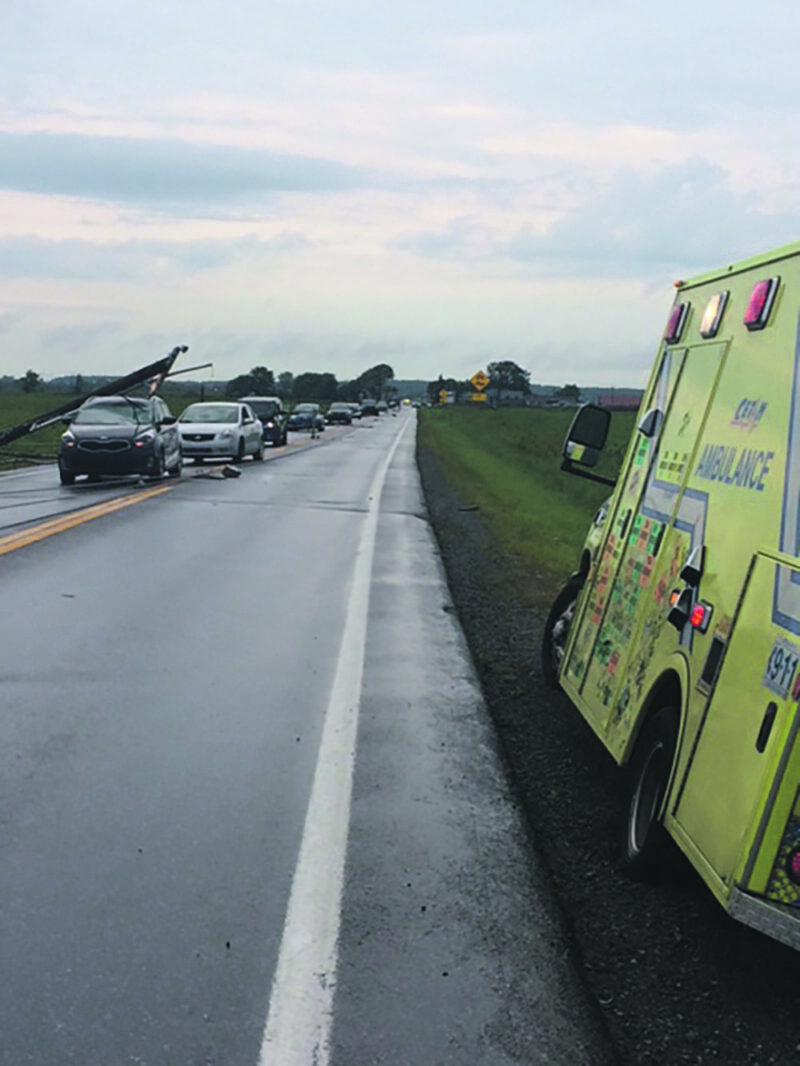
258 454
158 466
556 629
238 458
175 470
66 477
646 846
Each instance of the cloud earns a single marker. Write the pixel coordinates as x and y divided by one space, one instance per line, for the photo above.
69 340
160 172
634 225
131 261
678 219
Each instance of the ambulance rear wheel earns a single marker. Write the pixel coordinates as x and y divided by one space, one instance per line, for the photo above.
646 846
556 629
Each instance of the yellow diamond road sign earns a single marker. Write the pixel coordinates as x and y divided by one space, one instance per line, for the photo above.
479 381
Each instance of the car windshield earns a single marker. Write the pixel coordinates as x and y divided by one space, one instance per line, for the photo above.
305 408
263 410
210 412
119 413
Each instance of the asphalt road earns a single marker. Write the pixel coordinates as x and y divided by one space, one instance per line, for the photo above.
251 808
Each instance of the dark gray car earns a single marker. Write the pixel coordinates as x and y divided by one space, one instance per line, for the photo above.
120 435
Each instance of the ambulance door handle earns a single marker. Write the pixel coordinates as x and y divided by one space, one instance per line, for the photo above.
767 722
659 538
624 527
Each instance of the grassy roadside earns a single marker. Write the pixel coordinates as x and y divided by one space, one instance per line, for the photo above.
506 463
17 407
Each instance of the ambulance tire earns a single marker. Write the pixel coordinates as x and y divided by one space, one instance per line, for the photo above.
556 629
647 851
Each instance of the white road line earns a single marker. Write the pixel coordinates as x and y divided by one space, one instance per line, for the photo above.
298 1026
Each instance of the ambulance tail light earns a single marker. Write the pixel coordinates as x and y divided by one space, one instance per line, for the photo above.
700 616
762 299
676 322
793 866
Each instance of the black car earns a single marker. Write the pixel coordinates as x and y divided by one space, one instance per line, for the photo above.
369 407
272 415
340 413
119 435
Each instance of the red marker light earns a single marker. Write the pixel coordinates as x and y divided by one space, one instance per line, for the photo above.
676 322
761 300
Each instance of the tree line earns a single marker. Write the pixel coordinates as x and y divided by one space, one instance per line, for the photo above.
376 383
506 378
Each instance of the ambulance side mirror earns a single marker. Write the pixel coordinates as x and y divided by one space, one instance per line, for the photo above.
585 441
587 435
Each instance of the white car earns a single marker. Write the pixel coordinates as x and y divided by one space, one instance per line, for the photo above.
220 430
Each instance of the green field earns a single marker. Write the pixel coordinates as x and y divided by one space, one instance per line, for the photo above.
16 407
506 462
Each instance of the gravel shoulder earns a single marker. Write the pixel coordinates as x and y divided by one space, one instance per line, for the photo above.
675 978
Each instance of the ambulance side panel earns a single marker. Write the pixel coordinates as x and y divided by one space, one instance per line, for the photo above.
717 484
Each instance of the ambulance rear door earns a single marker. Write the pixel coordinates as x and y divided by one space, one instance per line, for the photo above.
726 810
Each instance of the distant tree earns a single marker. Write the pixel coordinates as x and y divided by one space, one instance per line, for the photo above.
434 388
79 385
315 388
373 382
286 385
259 382
239 386
31 381
570 393
506 375
347 391
263 381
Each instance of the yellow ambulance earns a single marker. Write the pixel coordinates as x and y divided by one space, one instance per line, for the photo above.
678 638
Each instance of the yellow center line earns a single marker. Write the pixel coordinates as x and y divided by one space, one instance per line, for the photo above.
75 518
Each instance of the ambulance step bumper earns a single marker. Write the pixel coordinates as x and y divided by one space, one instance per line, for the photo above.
774 919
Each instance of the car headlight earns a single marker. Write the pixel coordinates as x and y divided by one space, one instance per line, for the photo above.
68 439
145 438
224 434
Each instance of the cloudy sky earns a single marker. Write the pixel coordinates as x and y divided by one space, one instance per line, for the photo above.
436 184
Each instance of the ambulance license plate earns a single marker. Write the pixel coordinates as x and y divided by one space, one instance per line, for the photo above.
781 667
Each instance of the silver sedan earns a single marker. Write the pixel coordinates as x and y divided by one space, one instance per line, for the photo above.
220 431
